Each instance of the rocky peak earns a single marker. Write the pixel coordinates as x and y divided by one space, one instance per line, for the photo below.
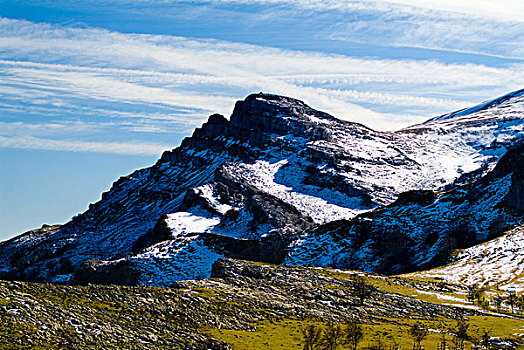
277 115
260 121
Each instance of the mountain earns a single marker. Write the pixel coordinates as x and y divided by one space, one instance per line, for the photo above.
498 263
280 182
422 228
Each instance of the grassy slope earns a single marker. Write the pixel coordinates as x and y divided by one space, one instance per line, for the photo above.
49 316
285 332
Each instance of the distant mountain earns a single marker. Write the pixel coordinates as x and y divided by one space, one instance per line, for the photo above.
281 182
486 105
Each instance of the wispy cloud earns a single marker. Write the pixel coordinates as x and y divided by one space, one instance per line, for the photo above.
106 78
30 142
505 10
19 127
482 27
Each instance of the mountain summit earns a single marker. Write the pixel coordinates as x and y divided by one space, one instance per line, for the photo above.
281 182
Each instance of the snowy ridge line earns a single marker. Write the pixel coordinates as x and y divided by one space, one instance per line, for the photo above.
482 106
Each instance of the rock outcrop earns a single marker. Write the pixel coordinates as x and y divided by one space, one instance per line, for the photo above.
515 196
239 300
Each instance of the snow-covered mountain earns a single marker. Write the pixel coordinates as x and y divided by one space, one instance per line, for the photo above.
266 183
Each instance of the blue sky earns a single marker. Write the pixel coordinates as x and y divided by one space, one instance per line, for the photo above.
91 90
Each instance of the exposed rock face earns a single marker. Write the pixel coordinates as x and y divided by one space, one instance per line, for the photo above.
267 249
160 233
516 194
516 191
306 292
93 272
421 197
248 186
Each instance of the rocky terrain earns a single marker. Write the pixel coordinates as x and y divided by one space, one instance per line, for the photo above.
422 228
280 182
498 263
268 304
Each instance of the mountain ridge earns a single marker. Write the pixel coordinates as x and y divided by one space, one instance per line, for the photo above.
275 169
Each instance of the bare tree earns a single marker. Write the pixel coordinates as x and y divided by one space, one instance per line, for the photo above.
362 288
443 339
460 333
498 300
471 292
418 332
311 337
353 333
520 302
511 299
332 336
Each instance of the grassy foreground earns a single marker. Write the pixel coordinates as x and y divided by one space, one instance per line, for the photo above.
251 306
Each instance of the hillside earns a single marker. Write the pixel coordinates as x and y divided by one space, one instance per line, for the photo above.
498 263
244 306
421 229
266 183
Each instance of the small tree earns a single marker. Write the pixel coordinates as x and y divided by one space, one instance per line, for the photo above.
498 300
443 344
362 288
353 333
311 337
418 332
332 336
520 303
471 292
475 293
511 299
460 333
484 304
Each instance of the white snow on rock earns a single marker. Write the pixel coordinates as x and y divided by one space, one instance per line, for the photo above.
175 260
206 191
182 223
499 262
263 175
482 106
